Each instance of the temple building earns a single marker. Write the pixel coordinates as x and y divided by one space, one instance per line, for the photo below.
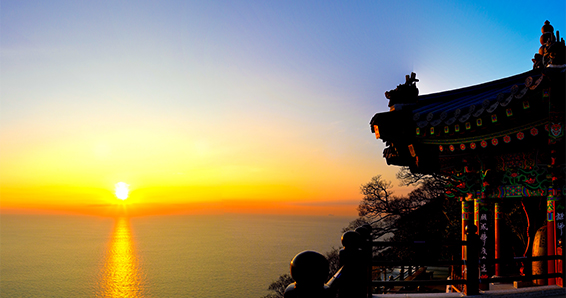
498 143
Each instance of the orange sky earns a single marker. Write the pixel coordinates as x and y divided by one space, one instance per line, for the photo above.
235 107
46 167
171 170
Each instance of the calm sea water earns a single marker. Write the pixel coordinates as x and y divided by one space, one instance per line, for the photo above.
158 256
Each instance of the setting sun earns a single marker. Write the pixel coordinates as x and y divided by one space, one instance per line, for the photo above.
121 190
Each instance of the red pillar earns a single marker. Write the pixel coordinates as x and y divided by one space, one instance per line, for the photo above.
477 202
550 233
467 219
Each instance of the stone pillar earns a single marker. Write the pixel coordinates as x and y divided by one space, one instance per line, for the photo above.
482 219
497 236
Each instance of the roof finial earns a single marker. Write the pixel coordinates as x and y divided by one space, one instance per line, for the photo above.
404 93
547 33
551 51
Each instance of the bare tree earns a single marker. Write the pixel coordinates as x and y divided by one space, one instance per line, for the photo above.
381 208
278 286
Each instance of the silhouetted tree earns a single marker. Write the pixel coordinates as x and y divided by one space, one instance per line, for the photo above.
430 222
278 286
424 214
382 209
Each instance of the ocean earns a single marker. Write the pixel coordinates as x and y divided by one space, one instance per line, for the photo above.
232 255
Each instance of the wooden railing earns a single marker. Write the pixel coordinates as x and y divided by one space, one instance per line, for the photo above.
466 263
471 284
354 278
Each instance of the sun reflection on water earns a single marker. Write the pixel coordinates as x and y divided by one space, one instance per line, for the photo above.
121 274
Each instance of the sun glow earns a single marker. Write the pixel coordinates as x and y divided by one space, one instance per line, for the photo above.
121 190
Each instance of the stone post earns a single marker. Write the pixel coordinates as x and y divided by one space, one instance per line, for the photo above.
367 250
352 259
310 270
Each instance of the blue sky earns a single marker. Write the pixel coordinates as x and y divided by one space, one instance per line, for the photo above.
273 92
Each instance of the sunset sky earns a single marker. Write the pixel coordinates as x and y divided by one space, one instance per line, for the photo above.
228 106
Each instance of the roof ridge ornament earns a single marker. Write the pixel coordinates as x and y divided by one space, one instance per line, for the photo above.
551 52
406 93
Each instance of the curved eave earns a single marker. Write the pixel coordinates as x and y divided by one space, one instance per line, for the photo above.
391 125
452 106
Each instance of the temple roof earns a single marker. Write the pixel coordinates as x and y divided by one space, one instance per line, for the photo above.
521 114
498 116
459 105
